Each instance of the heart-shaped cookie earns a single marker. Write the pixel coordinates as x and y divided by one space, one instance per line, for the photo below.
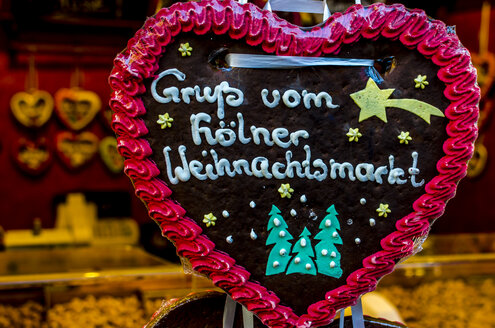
76 107
33 108
74 149
295 188
32 156
110 155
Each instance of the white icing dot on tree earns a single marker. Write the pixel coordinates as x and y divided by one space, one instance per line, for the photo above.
335 234
282 252
308 266
324 252
332 264
357 241
372 222
252 204
229 239
303 242
297 260
253 235
275 264
276 222
333 254
303 199
225 214
362 201
281 234
293 212
328 223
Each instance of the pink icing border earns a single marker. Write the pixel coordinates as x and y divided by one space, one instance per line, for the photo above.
412 27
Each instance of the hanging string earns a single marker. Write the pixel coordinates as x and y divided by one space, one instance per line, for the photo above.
247 318
32 78
484 28
357 314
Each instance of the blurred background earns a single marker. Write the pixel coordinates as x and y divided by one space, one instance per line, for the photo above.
73 235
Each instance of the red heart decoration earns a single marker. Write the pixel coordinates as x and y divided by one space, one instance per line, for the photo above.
418 42
76 150
32 156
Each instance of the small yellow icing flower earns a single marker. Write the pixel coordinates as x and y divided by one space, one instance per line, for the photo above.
383 210
420 81
165 120
209 219
354 134
285 190
185 49
404 137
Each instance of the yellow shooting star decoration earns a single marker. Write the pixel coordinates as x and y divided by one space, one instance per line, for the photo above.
372 100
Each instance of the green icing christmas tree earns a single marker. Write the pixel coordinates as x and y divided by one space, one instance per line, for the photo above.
280 236
327 255
302 261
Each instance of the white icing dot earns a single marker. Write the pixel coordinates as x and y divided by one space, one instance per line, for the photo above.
372 222
253 235
362 201
312 215
229 239
252 204
328 223
324 252
281 234
335 234
282 252
303 242
232 124
357 241
297 260
333 254
293 212
225 214
332 264
222 124
303 199
276 222
275 264
349 222
308 266
204 153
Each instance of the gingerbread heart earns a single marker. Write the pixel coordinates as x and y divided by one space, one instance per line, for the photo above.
110 155
33 108
76 107
294 183
75 150
32 156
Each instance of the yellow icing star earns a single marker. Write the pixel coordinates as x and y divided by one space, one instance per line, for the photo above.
285 190
404 137
185 49
420 81
371 100
209 219
165 120
354 134
383 210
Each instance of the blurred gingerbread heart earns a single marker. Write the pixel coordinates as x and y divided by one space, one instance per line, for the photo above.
110 155
75 150
76 107
32 108
32 156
